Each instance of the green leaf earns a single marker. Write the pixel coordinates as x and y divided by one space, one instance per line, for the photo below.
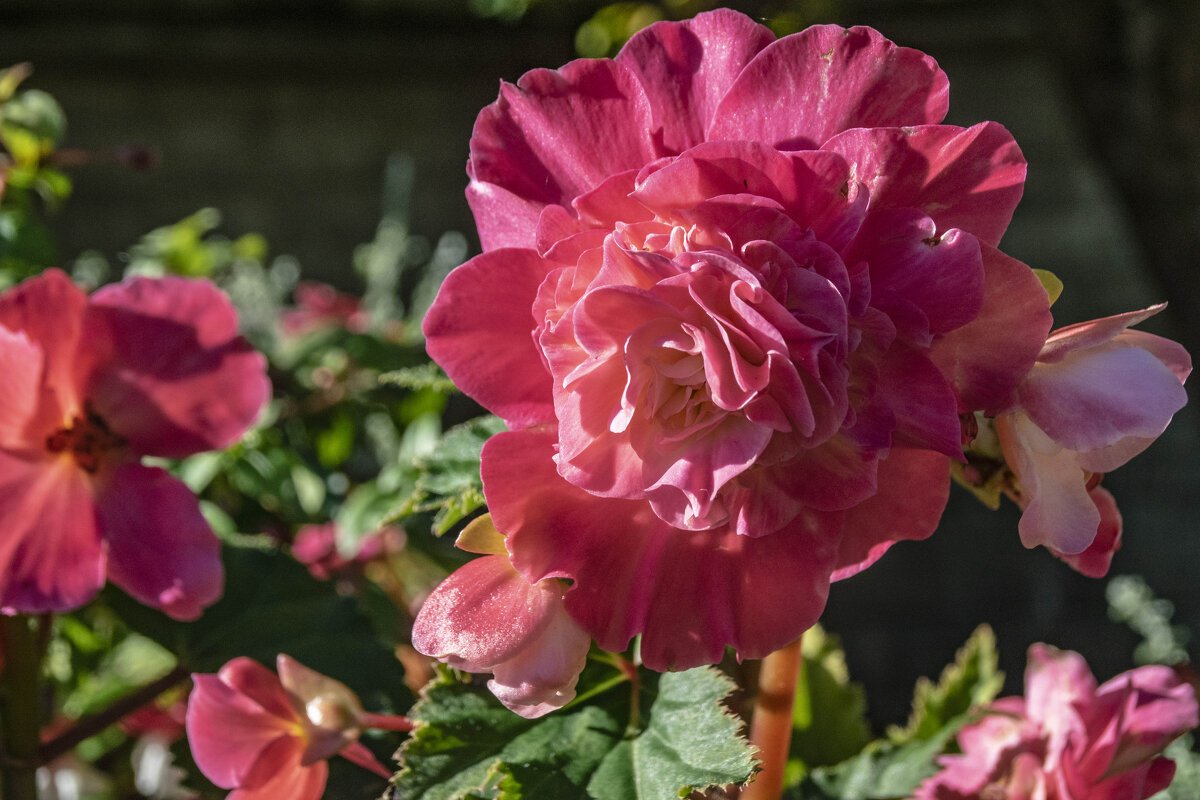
829 716
971 682
882 771
469 746
425 376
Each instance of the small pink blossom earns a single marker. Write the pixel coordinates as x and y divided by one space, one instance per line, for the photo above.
315 546
1068 739
320 306
735 294
268 737
92 384
1098 395
487 618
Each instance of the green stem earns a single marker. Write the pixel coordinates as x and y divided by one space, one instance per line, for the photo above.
19 718
771 724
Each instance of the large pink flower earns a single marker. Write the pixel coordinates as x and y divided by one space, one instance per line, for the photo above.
92 384
1068 739
736 293
1098 395
269 737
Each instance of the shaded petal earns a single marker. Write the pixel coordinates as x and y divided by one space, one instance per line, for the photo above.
913 487
278 773
160 548
173 378
921 401
20 390
802 89
49 310
1057 511
484 613
1155 708
988 357
688 593
480 329
558 133
51 558
968 178
686 68
1095 560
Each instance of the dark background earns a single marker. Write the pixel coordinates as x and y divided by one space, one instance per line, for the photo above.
283 115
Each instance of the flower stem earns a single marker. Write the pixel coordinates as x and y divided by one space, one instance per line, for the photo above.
19 719
771 723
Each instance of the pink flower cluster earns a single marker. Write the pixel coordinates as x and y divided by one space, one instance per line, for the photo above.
1069 739
91 385
269 737
741 305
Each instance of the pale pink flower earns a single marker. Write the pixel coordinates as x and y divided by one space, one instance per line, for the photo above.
1068 739
92 384
268 737
316 547
735 294
1098 395
319 306
486 617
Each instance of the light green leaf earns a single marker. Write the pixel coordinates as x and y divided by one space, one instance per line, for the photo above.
829 716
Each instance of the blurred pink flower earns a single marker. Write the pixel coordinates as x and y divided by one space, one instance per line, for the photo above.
735 294
315 546
1098 395
487 618
92 384
1066 739
319 306
268 737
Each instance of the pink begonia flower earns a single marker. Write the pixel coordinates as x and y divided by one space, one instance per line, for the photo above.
268 737
1068 739
91 384
1098 395
487 618
735 294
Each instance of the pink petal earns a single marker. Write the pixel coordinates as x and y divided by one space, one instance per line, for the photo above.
261 685
921 401
279 774
914 486
1095 560
357 753
542 677
940 274
480 329
502 217
1057 511
1058 687
988 357
482 614
968 178
802 89
174 377
686 592
1097 396
686 68
228 730
49 310
556 134
21 366
160 548
51 558
1082 335
1158 708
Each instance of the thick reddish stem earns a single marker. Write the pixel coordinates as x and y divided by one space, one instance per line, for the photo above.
771 723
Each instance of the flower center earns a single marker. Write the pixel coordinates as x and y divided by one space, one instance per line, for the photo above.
86 438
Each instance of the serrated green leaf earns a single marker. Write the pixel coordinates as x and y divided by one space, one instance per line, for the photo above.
469 746
425 376
829 715
972 681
